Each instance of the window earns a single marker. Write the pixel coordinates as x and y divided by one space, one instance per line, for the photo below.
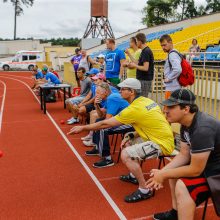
32 57
24 57
15 60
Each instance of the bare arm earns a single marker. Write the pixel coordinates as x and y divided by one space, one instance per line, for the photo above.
181 159
145 67
91 60
195 168
121 67
131 57
99 111
107 123
87 98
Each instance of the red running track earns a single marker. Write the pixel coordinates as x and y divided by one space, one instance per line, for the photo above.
46 175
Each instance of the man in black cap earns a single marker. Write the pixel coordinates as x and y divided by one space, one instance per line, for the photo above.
199 157
75 61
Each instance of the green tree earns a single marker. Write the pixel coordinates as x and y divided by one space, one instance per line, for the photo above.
18 10
188 9
156 12
213 6
201 10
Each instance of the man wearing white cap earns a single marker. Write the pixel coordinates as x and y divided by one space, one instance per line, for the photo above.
151 127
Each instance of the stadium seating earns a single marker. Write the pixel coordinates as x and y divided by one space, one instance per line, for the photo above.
206 35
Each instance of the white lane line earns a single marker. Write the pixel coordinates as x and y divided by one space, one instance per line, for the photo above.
93 177
2 105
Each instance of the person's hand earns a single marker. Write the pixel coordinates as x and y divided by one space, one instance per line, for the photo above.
156 180
166 80
97 100
132 65
127 138
127 51
125 64
76 130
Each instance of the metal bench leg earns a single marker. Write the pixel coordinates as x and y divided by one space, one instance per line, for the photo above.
205 208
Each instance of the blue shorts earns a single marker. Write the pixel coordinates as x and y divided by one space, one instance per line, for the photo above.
75 100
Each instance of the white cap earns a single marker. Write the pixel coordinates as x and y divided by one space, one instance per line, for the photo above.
130 83
101 56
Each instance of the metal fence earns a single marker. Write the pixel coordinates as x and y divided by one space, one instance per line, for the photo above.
206 88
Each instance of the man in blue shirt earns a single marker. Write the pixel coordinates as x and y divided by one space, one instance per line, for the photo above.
38 76
50 77
114 62
75 61
113 105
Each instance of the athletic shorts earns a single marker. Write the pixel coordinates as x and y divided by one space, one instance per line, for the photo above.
198 188
143 150
89 107
75 100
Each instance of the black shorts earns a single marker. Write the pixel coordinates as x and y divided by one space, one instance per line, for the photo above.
89 107
198 189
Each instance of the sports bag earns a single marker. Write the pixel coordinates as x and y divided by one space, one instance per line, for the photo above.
186 77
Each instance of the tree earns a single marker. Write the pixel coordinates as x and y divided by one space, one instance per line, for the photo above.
18 10
188 9
213 6
156 12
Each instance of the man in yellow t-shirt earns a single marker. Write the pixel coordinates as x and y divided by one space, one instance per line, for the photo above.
151 127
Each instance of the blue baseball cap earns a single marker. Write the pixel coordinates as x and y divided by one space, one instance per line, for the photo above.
92 71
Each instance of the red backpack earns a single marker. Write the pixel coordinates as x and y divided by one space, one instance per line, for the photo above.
186 77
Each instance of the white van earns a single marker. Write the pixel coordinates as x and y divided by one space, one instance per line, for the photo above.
23 60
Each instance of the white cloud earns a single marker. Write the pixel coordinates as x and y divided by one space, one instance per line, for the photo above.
68 18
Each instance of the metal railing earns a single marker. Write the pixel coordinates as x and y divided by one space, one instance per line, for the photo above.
206 88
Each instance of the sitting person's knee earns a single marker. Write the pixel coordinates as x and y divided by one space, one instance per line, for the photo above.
82 110
124 156
180 189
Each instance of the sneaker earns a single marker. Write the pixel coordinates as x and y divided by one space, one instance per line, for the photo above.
70 119
89 143
103 163
73 121
168 215
86 138
92 152
138 196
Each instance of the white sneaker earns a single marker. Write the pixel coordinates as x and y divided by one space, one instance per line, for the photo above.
70 119
89 143
86 138
73 121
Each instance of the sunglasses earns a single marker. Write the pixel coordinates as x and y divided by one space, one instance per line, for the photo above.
124 88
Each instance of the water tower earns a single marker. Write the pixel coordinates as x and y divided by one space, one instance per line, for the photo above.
99 26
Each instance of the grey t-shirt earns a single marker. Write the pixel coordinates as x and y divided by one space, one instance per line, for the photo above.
85 86
202 136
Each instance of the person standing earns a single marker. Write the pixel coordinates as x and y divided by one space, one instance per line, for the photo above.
172 66
75 61
86 61
133 54
144 66
114 62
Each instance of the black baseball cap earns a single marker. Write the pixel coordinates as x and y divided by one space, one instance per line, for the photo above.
180 96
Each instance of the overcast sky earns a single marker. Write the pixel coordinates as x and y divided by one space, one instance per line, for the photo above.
69 18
